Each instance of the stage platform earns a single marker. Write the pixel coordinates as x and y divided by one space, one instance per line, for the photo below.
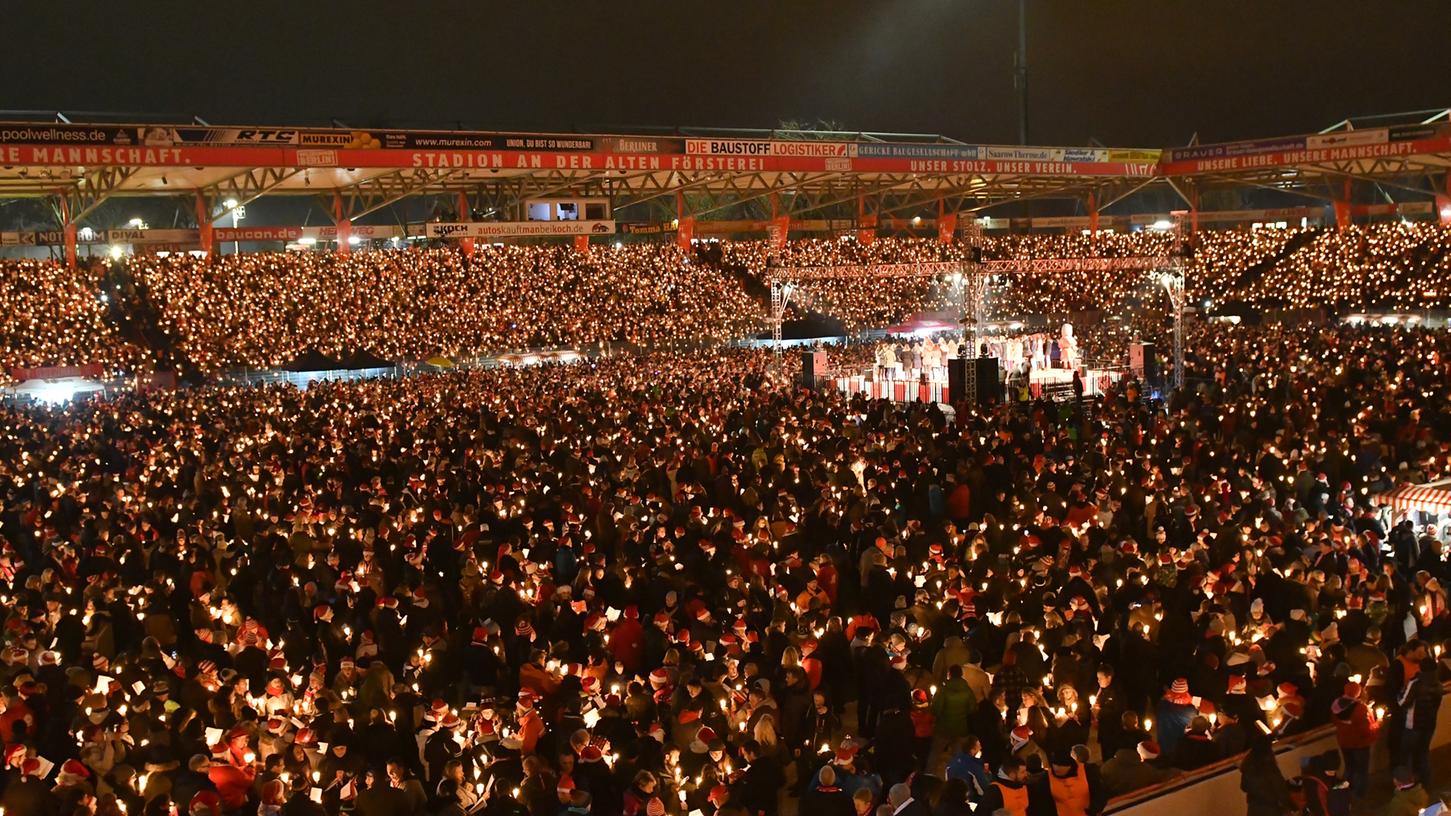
1055 383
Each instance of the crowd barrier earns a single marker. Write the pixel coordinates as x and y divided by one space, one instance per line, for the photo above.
1214 790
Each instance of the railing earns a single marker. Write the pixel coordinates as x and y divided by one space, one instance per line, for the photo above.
1214 789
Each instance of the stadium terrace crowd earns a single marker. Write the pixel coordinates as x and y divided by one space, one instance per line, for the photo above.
262 310
676 584
56 316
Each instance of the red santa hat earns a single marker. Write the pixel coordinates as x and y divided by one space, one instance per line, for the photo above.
72 772
1021 736
1149 750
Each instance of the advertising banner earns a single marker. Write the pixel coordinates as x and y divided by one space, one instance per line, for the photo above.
505 229
224 234
1210 151
1308 156
777 230
1346 138
866 233
947 227
685 233
768 147
919 151
641 144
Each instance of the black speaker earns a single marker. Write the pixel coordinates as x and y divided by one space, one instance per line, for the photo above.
975 380
989 381
1143 362
813 365
957 377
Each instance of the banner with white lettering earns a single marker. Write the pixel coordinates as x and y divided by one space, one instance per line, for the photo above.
505 229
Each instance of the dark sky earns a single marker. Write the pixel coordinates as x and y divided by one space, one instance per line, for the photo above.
1126 73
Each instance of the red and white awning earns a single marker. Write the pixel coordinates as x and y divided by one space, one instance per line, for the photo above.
1427 498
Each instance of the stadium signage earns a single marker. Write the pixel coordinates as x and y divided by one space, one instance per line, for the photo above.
1210 151
505 229
1347 138
918 151
641 144
90 155
1039 168
1305 156
766 147
256 233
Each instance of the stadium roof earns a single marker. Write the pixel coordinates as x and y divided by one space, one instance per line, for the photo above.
79 165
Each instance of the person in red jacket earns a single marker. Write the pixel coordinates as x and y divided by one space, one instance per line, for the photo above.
16 711
627 640
1355 732
233 783
531 725
924 724
811 664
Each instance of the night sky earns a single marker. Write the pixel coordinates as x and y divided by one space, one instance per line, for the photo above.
1125 73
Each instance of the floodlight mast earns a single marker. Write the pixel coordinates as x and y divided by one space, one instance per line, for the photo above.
1172 279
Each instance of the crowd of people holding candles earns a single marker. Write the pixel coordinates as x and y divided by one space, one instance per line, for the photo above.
676 582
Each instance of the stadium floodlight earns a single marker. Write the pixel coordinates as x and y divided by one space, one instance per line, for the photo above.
137 223
1162 224
238 213
916 220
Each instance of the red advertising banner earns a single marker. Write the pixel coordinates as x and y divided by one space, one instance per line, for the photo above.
92 370
1283 158
777 230
685 233
947 227
302 157
345 232
998 167
1342 215
224 234
204 224
70 245
866 233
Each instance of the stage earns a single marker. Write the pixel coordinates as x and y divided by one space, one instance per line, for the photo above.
1055 383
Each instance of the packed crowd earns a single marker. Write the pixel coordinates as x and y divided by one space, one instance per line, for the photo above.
262 310
675 584
56 316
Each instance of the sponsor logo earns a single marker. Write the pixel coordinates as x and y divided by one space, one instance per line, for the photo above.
918 151
636 146
727 147
59 135
764 147
345 140
317 158
1348 138
264 136
499 229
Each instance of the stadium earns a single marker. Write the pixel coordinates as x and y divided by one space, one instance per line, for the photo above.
722 471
